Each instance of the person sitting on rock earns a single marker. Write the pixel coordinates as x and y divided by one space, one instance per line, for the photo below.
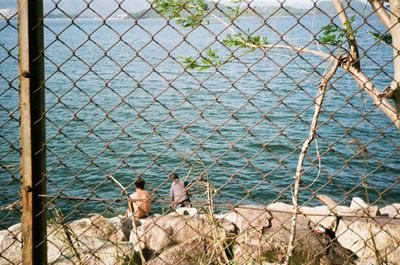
139 202
178 192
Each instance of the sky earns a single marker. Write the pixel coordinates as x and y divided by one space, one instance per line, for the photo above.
140 4
72 5
294 3
137 5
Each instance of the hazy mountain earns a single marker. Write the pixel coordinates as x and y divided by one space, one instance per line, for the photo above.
72 7
322 7
296 4
354 6
101 7
137 7
268 3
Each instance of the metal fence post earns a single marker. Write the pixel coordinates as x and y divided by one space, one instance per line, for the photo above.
33 166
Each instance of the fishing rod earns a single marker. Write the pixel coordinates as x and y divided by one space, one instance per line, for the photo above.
119 185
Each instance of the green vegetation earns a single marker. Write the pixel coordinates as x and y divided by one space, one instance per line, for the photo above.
334 35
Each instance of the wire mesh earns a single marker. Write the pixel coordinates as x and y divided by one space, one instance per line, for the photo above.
222 94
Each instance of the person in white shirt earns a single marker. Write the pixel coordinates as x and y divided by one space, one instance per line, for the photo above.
178 192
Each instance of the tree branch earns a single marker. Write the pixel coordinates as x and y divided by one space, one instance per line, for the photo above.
363 81
223 23
395 32
318 104
381 102
381 13
297 49
349 32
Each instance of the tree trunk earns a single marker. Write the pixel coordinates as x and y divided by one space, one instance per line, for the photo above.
395 32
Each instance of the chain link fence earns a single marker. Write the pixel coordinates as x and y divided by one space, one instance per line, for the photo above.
226 95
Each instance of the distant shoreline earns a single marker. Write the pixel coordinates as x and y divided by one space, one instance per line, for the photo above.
213 20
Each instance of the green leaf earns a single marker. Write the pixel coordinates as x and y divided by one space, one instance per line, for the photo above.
192 13
212 53
189 13
189 62
334 35
330 39
209 58
233 8
385 38
242 41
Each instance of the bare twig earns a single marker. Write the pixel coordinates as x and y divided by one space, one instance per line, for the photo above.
229 27
318 104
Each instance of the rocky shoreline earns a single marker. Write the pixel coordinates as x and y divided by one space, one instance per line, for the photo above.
248 234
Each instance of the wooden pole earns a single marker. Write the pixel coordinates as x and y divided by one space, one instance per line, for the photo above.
32 129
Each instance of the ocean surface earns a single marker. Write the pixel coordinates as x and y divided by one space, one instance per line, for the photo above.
118 102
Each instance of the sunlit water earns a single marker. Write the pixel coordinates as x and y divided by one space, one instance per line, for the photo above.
119 103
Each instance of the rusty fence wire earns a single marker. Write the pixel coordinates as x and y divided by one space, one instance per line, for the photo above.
225 94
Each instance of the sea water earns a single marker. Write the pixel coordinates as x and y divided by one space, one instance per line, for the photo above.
119 102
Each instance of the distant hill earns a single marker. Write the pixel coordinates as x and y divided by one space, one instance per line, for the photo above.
221 10
278 11
152 13
146 14
102 7
322 7
140 8
355 7
74 7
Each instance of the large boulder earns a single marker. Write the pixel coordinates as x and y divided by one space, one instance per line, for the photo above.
162 232
186 211
98 226
78 238
248 217
359 207
392 210
107 253
324 216
158 236
10 245
191 251
372 239
264 236
88 239
123 227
